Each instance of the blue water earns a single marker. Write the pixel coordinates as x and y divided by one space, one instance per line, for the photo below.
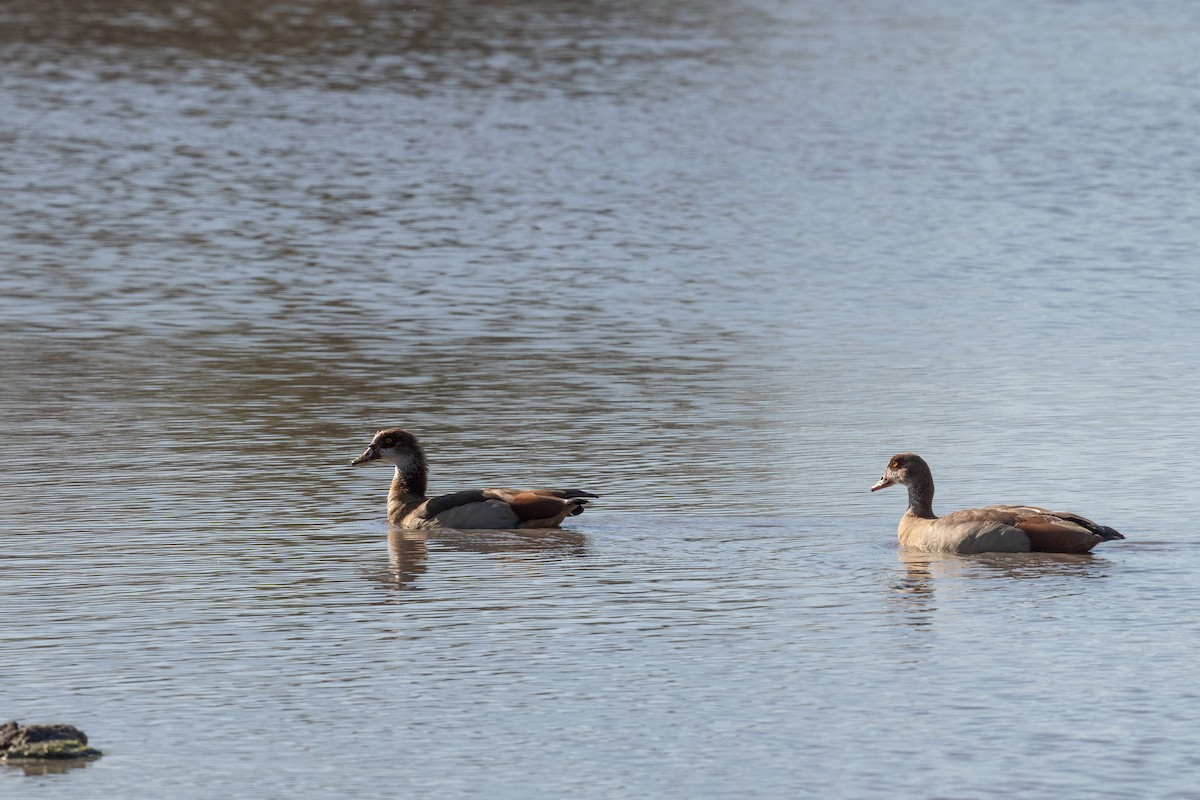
715 262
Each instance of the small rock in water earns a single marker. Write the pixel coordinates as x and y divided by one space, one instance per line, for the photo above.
19 741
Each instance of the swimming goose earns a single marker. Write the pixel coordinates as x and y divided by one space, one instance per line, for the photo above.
409 507
993 529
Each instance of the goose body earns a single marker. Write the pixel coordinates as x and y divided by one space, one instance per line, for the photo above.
409 507
992 529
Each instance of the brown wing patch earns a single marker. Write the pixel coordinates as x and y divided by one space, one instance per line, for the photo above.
1054 535
565 494
533 506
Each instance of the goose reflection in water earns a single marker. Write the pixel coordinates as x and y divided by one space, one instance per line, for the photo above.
408 550
914 593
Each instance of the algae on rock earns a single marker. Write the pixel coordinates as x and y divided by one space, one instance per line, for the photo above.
20 742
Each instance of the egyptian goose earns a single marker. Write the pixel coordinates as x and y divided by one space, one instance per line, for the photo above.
409 507
994 529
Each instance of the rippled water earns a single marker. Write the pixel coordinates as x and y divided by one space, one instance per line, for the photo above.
716 262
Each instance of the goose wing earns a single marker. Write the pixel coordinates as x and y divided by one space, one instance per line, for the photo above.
504 508
1050 531
543 507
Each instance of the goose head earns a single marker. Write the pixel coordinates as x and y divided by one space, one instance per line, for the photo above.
906 469
394 446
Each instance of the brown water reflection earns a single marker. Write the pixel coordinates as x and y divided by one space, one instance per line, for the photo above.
350 44
55 766
187 283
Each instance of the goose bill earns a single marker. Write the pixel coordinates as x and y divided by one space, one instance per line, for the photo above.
370 455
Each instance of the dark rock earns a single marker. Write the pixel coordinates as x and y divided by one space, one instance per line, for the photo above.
43 741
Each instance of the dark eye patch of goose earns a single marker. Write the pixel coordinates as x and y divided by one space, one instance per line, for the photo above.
897 463
387 441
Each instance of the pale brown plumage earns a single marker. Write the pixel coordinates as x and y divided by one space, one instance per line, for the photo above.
409 507
1004 529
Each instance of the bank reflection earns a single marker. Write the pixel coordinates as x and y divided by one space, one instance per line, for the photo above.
409 552
347 44
53 766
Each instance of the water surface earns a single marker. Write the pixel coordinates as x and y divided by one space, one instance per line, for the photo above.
716 262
